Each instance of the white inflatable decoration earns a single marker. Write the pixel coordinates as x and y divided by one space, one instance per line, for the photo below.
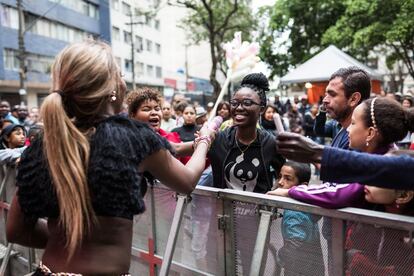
241 58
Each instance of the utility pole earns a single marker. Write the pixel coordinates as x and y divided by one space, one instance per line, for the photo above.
131 25
22 55
186 67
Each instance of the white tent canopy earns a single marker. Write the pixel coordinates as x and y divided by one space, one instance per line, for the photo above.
323 65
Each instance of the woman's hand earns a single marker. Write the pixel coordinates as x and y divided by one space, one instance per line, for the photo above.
279 192
206 131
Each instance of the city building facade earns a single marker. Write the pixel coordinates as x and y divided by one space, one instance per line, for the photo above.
136 40
49 25
162 56
147 34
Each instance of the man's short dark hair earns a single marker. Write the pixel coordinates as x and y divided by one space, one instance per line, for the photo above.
302 171
355 80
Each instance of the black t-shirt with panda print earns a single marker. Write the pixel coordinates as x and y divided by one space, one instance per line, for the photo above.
244 170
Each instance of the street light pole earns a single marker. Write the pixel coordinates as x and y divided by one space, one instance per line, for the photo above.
22 55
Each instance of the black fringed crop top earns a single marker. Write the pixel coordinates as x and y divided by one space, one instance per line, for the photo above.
116 149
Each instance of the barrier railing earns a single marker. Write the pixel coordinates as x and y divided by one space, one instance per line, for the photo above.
228 232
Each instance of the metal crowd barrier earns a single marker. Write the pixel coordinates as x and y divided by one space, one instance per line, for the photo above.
228 232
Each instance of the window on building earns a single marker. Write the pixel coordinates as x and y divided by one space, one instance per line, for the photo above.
115 4
148 21
139 43
128 65
81 6
139 66
115 33
62 33
157 24
127 37
11 62
39 64
34 63
158 48
9 17
126 8
53 30
158 72
150 71
149 45
118 61
92 11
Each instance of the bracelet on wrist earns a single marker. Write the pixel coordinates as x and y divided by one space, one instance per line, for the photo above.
202 139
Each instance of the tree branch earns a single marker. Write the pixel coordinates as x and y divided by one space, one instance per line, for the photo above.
229 15
190 5
407 59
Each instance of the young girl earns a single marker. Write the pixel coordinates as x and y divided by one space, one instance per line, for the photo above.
301 253
13 136
189 128
380 253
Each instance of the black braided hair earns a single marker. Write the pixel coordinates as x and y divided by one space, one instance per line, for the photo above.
258 83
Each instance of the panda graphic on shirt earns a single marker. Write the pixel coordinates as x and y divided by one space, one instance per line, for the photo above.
242 170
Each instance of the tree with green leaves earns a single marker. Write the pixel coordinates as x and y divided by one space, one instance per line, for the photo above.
215 21
295 31
384 25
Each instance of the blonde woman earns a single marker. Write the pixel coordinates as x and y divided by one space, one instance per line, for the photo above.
84 174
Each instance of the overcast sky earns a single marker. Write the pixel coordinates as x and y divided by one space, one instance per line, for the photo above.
258 3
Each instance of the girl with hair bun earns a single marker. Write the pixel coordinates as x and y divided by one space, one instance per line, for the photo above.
84 174
242 156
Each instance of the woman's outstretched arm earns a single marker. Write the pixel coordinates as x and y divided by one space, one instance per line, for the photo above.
171 172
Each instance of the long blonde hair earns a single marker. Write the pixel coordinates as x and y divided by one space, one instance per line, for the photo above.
84 77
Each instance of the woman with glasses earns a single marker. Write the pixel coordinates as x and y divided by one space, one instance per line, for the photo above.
242 156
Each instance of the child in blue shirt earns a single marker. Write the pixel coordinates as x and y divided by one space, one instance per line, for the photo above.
301 253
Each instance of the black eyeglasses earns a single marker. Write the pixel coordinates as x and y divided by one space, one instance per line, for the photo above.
244 103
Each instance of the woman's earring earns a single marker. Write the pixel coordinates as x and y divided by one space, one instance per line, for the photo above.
367 143
113 97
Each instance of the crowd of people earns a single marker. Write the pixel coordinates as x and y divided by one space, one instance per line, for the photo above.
84 168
